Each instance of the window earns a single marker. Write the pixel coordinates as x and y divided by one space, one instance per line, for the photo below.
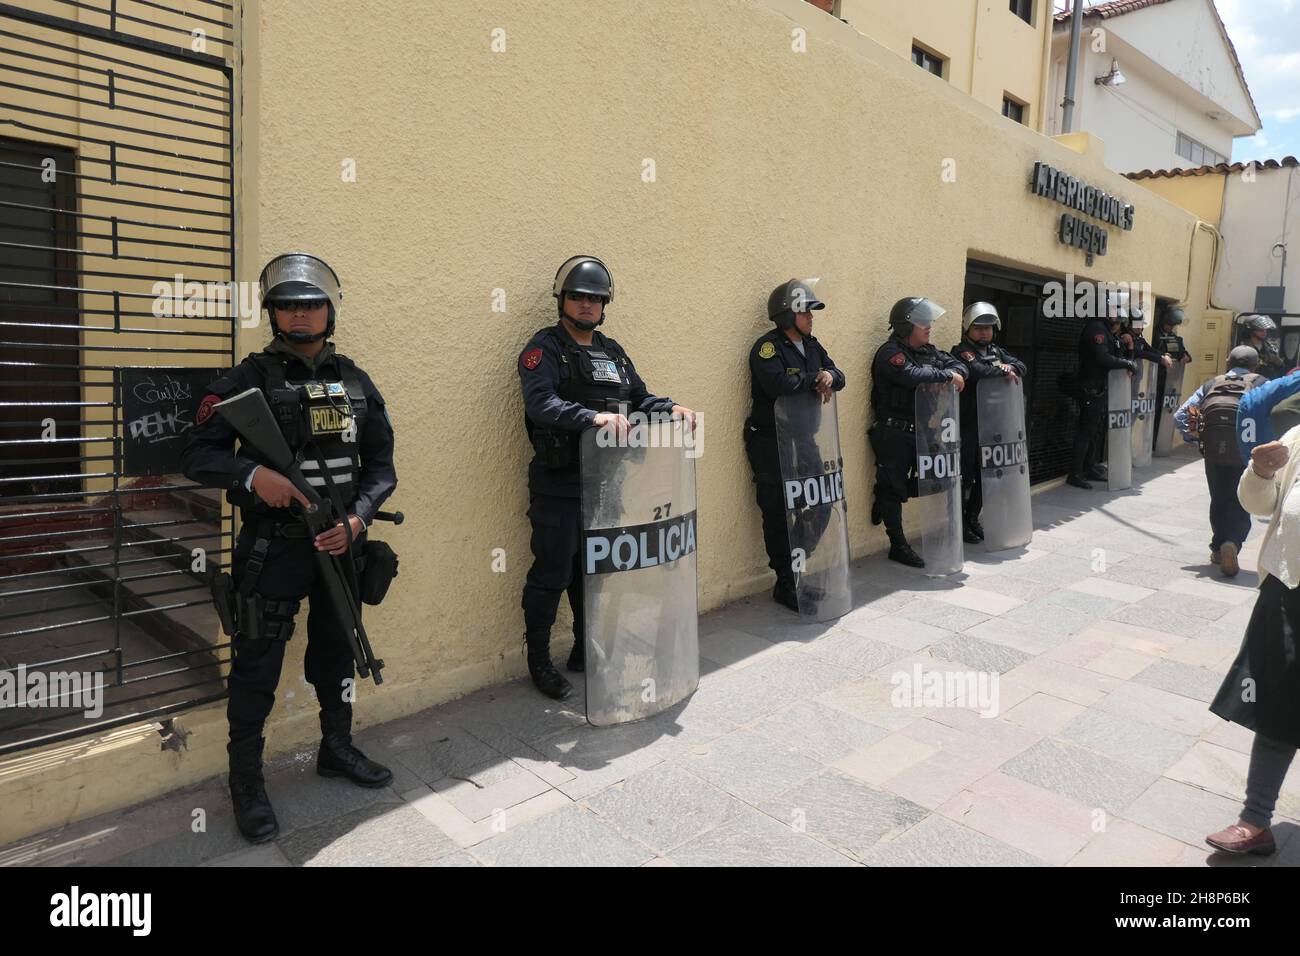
1024 9
1013 109
927 60
1198 154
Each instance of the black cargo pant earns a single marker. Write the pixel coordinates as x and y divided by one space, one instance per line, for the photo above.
288 575
895 451
765 464
1229 521
557 567
1090 432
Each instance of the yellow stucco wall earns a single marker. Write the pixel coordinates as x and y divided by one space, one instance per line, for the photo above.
990 50
1202 196
479 170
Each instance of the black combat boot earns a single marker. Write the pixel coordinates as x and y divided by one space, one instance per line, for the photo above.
901 551
784 593
1095 472
338 758
1078 481
971 530
577 657
253 813
547 679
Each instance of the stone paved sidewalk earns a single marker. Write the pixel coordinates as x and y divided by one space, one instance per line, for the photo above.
1110 634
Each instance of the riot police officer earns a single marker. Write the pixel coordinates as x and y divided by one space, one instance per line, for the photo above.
573 377
1169 344
348 451
906 360
984 359
1256 332
1100 351
787 360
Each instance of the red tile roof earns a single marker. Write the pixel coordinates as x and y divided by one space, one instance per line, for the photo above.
1216 168
1114 8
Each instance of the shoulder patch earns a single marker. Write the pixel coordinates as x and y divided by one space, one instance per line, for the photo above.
898 358
531 359
767 350
1099 338
968 355
205 408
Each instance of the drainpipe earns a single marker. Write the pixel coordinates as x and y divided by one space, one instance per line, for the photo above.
1072 67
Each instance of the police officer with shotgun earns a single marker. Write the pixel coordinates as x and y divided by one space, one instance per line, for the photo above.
313 465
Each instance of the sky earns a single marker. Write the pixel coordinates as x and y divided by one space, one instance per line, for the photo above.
1266 36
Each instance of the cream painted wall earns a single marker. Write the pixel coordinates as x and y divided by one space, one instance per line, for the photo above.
479 171
991 51
475 174
1258 211
1202 196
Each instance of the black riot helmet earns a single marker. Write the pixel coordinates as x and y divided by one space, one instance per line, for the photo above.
1174 316
789 298
583 274
913 310
299 277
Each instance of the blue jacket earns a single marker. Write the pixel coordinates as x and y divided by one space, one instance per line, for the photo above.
1256 405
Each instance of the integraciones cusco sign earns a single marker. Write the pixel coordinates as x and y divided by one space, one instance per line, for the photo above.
1050 183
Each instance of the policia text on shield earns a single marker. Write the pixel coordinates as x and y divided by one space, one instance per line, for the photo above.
319 440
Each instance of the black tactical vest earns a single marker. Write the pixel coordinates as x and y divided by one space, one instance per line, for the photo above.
597 375
1169 343
321 419
899 401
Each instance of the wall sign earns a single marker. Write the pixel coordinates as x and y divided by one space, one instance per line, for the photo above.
1051 183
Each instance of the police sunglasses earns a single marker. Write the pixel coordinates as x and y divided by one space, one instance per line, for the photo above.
305 304
584 297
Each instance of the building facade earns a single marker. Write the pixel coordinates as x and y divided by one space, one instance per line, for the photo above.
706 152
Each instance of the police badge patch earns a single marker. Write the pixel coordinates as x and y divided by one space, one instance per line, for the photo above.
898 358
766 350
532 358
1099 338
603 370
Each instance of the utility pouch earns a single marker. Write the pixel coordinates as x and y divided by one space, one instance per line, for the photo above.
379 569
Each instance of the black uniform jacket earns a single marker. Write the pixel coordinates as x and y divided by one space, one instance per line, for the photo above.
777 367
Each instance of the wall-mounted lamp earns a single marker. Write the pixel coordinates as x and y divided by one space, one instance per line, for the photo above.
1112 78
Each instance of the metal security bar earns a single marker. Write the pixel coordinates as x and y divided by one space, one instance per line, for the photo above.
116 263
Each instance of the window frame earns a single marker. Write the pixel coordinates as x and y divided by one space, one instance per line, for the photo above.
926 53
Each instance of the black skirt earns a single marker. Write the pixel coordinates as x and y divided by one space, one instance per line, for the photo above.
1262 689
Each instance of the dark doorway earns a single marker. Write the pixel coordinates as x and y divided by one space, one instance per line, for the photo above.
39 320
1048 346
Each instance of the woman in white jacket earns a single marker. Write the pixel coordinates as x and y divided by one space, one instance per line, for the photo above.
1262 690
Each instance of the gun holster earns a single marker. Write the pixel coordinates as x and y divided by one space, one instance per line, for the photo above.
226 599
378 568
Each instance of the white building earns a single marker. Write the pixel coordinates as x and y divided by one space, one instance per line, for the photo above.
1158 82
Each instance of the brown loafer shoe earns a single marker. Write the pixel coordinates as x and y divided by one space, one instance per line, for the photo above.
1236 839
1228 559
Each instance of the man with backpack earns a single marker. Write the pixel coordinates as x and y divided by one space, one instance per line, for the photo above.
1209 417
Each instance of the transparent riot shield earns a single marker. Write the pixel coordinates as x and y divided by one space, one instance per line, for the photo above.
1003 463
1170 398
638 564
1142 387
816 515
938 477
1119 430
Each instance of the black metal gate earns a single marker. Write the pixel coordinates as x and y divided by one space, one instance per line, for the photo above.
116 308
